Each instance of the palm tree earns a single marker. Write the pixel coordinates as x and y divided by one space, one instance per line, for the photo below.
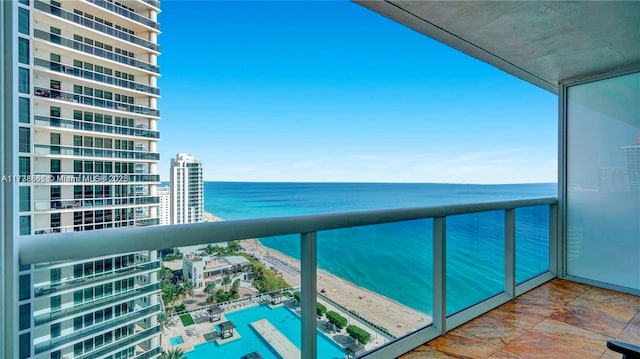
210 288
164 323
187 285
226 281
173 354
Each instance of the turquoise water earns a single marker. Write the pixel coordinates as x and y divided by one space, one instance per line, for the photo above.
282 318
395 259
176 341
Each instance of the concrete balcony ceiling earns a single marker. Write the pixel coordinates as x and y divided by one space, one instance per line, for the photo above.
541 42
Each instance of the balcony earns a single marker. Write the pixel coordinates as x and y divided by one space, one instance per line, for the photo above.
93 50
95 329
126 13
95 76
446 312
122 343
94 101
85 203
105 301
69 285
76 151
83 21
87 178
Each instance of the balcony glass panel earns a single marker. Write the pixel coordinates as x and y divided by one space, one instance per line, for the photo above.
532 242
475 258
603 181
384 288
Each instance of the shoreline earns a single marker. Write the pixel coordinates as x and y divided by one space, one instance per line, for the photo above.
383 311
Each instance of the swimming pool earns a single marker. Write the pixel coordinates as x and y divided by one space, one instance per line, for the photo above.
176 341
282 318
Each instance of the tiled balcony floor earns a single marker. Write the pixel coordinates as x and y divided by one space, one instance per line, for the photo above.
560 319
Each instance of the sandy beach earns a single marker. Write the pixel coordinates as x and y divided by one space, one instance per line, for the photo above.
378 309
385 312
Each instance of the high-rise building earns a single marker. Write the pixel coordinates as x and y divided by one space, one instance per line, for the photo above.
87 119
164 194
632 165
187 190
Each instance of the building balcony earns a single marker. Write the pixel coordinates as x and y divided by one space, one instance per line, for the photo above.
95 51
94 101
107 325
76 151
126 13
83 21
142 291
122 343
75 125
94 203
95 76
445 314
92 178
66 286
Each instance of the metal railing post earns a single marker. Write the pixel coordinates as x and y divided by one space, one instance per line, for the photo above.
510 252
308 289
440 273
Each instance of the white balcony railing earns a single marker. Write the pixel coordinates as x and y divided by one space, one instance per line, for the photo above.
81 245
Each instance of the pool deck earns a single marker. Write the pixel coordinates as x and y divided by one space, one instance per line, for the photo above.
283 346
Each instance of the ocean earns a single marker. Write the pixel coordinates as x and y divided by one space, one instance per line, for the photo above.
395 259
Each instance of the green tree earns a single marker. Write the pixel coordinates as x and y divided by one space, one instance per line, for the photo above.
176 353
297 296
321 309
359 334
226 281
187 285
210 288
336 319
164 323
165 274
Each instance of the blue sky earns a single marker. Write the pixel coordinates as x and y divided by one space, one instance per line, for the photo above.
331 91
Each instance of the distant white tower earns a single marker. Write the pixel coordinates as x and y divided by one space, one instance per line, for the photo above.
164 193
187 190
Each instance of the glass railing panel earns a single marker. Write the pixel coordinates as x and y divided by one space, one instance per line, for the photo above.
532 242
475 258
40 149
383 290
254 299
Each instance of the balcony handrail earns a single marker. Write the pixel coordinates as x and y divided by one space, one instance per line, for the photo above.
94 101
61 122
84 245
95 76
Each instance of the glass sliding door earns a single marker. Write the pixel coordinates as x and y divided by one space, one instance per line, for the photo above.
603 180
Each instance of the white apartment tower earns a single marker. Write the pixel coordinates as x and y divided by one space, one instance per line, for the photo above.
187 190
87 120
164 195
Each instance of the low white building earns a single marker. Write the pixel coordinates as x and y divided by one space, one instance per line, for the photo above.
202 269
